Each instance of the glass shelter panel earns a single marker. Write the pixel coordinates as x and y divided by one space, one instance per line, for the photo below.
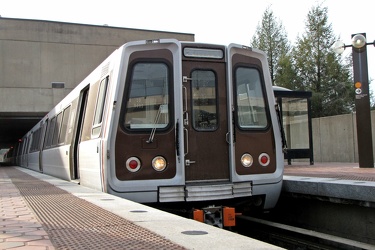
296 122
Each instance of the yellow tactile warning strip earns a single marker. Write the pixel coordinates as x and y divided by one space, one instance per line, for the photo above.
73 223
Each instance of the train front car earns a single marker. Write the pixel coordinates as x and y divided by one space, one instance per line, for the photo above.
194 123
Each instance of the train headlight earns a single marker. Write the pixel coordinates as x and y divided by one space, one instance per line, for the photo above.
264 159
159 163
133 164
247 160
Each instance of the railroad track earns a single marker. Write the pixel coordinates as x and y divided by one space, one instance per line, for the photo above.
290 237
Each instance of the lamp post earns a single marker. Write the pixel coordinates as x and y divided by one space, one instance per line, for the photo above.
362 97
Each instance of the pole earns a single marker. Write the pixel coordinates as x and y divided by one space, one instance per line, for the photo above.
362 104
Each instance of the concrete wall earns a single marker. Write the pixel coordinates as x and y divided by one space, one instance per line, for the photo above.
34 54
335 138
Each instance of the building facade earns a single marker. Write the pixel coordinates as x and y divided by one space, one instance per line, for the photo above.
42 61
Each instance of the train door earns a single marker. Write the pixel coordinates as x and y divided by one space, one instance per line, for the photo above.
206 121
25 152
82 103
43 131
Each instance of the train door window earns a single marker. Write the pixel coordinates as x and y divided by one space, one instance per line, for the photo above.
57 129
100 101
203 92
50 130
148 103
251 106
64 125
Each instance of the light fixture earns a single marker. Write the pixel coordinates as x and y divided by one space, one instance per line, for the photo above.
358 41
338 47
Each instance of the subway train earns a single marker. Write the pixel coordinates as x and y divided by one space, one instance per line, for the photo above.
165 121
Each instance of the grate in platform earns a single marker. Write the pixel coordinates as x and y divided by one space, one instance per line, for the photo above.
73 223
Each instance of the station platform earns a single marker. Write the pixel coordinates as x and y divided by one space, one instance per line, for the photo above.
41 212
340 181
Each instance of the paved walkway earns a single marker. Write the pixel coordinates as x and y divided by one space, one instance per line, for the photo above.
42 212
19 226
70 222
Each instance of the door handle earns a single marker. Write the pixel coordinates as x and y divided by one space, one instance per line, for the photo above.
188 162
186 141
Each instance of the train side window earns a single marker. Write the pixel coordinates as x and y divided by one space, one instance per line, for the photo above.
203 92
35 137
251 105
50 130
57 129
99 110
148 106
64 125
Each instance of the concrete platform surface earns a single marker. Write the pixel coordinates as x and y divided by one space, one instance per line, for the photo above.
42 212
335 180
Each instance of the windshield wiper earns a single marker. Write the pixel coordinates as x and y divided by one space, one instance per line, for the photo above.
157 117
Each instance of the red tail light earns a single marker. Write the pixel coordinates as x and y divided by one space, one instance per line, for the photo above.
264 159
133 164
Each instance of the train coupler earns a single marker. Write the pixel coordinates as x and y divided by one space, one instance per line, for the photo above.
218 216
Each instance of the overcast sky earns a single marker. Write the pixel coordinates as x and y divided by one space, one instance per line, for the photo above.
212 21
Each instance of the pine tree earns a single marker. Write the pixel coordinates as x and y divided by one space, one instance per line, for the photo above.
286 75
319 69
271 37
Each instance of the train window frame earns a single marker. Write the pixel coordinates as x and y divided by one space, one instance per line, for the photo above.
262 90
35 137
38 135
64 125
99 107
193 101
56 132
50 131
163 108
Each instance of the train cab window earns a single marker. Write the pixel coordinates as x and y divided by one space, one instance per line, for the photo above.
251 106
100 101
203 91
148 106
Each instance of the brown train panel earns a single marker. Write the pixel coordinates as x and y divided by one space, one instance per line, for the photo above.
130 144
255 143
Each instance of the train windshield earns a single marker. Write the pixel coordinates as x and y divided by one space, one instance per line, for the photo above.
250 99
148 103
